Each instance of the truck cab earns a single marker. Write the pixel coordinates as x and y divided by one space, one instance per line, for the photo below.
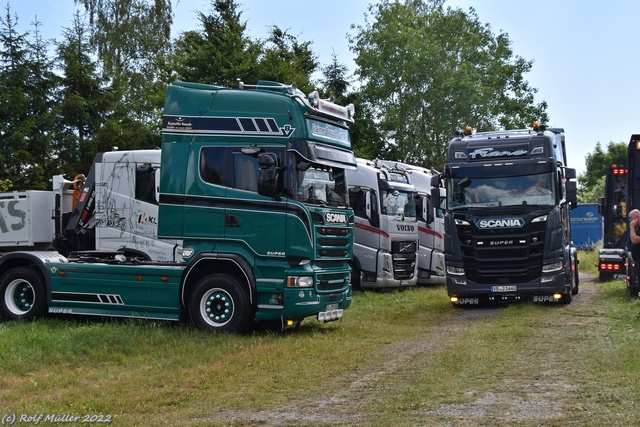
386 226
507 224
431 266
243 215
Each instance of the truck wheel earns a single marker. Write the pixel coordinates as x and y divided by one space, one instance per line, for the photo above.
575 277
355 277
219 303
23 295
566 298
634 286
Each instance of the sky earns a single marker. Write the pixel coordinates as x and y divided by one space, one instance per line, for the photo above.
585 54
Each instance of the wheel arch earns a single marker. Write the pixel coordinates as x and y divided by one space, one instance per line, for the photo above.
36 261
206 264
135 253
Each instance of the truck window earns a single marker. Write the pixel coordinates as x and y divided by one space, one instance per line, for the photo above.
213 165
146 184
323 185
396 202
245 172
491 191
358 202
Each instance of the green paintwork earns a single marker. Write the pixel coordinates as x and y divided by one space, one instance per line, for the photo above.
273 230
115 290
256 241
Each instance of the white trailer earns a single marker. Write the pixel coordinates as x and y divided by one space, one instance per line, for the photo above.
386 228
26 220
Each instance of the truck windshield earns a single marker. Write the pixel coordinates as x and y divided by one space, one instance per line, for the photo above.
483 191
396 202
322 185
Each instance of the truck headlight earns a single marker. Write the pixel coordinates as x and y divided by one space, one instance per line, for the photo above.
454 270
299 282
552 266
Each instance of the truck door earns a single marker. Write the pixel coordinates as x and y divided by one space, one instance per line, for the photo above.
255 220
205 199
367 232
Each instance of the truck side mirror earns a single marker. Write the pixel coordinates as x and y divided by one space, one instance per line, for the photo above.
428 207
267 175
371 208
435 192
435 196
157 185
572 187
367 204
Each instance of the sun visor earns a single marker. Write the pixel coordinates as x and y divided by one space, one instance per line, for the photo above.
324 154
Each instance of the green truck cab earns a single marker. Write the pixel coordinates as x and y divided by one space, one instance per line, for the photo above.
252 185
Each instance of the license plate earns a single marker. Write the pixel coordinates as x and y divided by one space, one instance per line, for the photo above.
511 288
619 276
331 313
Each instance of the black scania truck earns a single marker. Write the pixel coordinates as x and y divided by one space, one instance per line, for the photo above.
507 227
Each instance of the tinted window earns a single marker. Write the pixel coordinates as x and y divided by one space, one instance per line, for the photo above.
245 172
213 165
146 184
358 202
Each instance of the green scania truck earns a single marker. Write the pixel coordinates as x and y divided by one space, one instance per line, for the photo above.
252 190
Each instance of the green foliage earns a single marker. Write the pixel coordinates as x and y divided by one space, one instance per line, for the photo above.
367 140
592 193
287 60
220 53
427 70
26 107
335 81
128 37
128 34
591 182
82 101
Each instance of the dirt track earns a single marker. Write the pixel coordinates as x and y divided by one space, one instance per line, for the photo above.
514 403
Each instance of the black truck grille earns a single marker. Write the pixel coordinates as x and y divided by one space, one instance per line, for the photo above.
503 259
404 259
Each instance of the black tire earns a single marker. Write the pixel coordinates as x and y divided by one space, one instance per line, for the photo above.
220 303
634 284
22 295
356 274
567 297
575 277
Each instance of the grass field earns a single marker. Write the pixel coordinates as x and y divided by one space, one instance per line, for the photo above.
396 359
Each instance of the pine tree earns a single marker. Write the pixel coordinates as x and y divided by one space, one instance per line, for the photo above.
15 120
220 53
81 100
41 87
